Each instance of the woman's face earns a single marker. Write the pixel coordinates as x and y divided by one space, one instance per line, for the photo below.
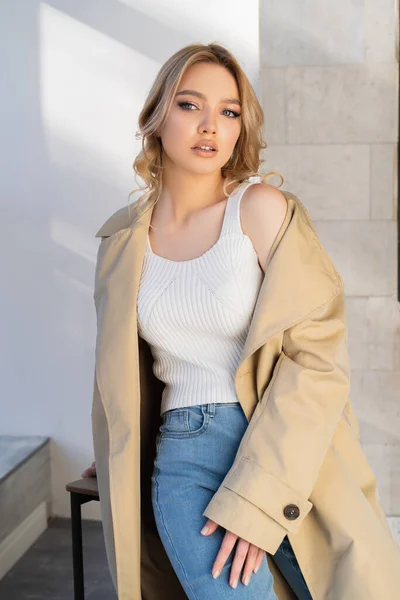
213 116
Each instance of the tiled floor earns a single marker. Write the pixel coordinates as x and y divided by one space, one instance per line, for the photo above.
45 571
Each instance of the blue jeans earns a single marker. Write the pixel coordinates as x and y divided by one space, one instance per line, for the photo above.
196 447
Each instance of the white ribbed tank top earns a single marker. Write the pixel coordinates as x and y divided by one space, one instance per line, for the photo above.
195 313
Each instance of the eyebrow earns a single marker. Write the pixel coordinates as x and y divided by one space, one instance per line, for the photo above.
203 97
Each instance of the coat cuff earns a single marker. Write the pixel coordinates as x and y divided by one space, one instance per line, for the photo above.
252 504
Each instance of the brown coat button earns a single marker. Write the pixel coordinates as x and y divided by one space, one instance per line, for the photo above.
291 512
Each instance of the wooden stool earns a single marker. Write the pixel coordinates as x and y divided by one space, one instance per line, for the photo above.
82 491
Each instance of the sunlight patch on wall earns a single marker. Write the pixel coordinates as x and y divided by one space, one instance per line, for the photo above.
74 240
91 89
232 23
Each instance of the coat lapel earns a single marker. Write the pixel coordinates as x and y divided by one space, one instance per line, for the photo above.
116 287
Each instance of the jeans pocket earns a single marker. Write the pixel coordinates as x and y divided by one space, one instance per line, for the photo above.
184 423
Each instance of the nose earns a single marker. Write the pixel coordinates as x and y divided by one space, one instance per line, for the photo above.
207 124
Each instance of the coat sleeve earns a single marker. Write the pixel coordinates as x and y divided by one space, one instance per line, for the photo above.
265 494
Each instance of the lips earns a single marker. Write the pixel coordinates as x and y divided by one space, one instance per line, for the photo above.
208 143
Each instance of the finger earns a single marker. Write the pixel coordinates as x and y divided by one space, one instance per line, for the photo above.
209 527
238 561
226 548
249 564
89 472
259 560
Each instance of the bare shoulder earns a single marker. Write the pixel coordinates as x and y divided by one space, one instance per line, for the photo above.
265 200
263 210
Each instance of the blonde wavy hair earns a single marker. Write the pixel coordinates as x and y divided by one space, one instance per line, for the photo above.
245 160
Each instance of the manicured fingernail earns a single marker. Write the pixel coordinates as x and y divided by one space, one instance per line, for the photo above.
256 569
204 530
247 580
234 583
215 574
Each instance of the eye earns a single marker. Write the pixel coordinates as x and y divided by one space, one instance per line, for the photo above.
235 114
183 104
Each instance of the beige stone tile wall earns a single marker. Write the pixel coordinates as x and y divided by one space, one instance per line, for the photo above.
329 88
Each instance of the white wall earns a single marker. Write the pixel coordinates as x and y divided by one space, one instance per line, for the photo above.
74 77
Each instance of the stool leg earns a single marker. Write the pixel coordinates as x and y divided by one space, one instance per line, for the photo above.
77 550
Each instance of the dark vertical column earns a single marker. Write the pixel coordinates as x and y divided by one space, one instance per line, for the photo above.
77 548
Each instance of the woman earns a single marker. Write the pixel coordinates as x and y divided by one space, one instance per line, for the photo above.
220 312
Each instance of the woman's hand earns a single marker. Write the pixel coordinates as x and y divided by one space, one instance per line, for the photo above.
244 552
90 471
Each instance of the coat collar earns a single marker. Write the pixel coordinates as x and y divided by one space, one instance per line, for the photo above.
299 275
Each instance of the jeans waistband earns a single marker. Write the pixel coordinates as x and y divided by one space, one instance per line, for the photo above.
210 407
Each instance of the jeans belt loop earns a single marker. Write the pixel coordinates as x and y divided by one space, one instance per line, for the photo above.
211 409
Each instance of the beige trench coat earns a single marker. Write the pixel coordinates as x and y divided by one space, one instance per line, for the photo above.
301 447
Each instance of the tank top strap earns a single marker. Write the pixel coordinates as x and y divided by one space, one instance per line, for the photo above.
231 223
